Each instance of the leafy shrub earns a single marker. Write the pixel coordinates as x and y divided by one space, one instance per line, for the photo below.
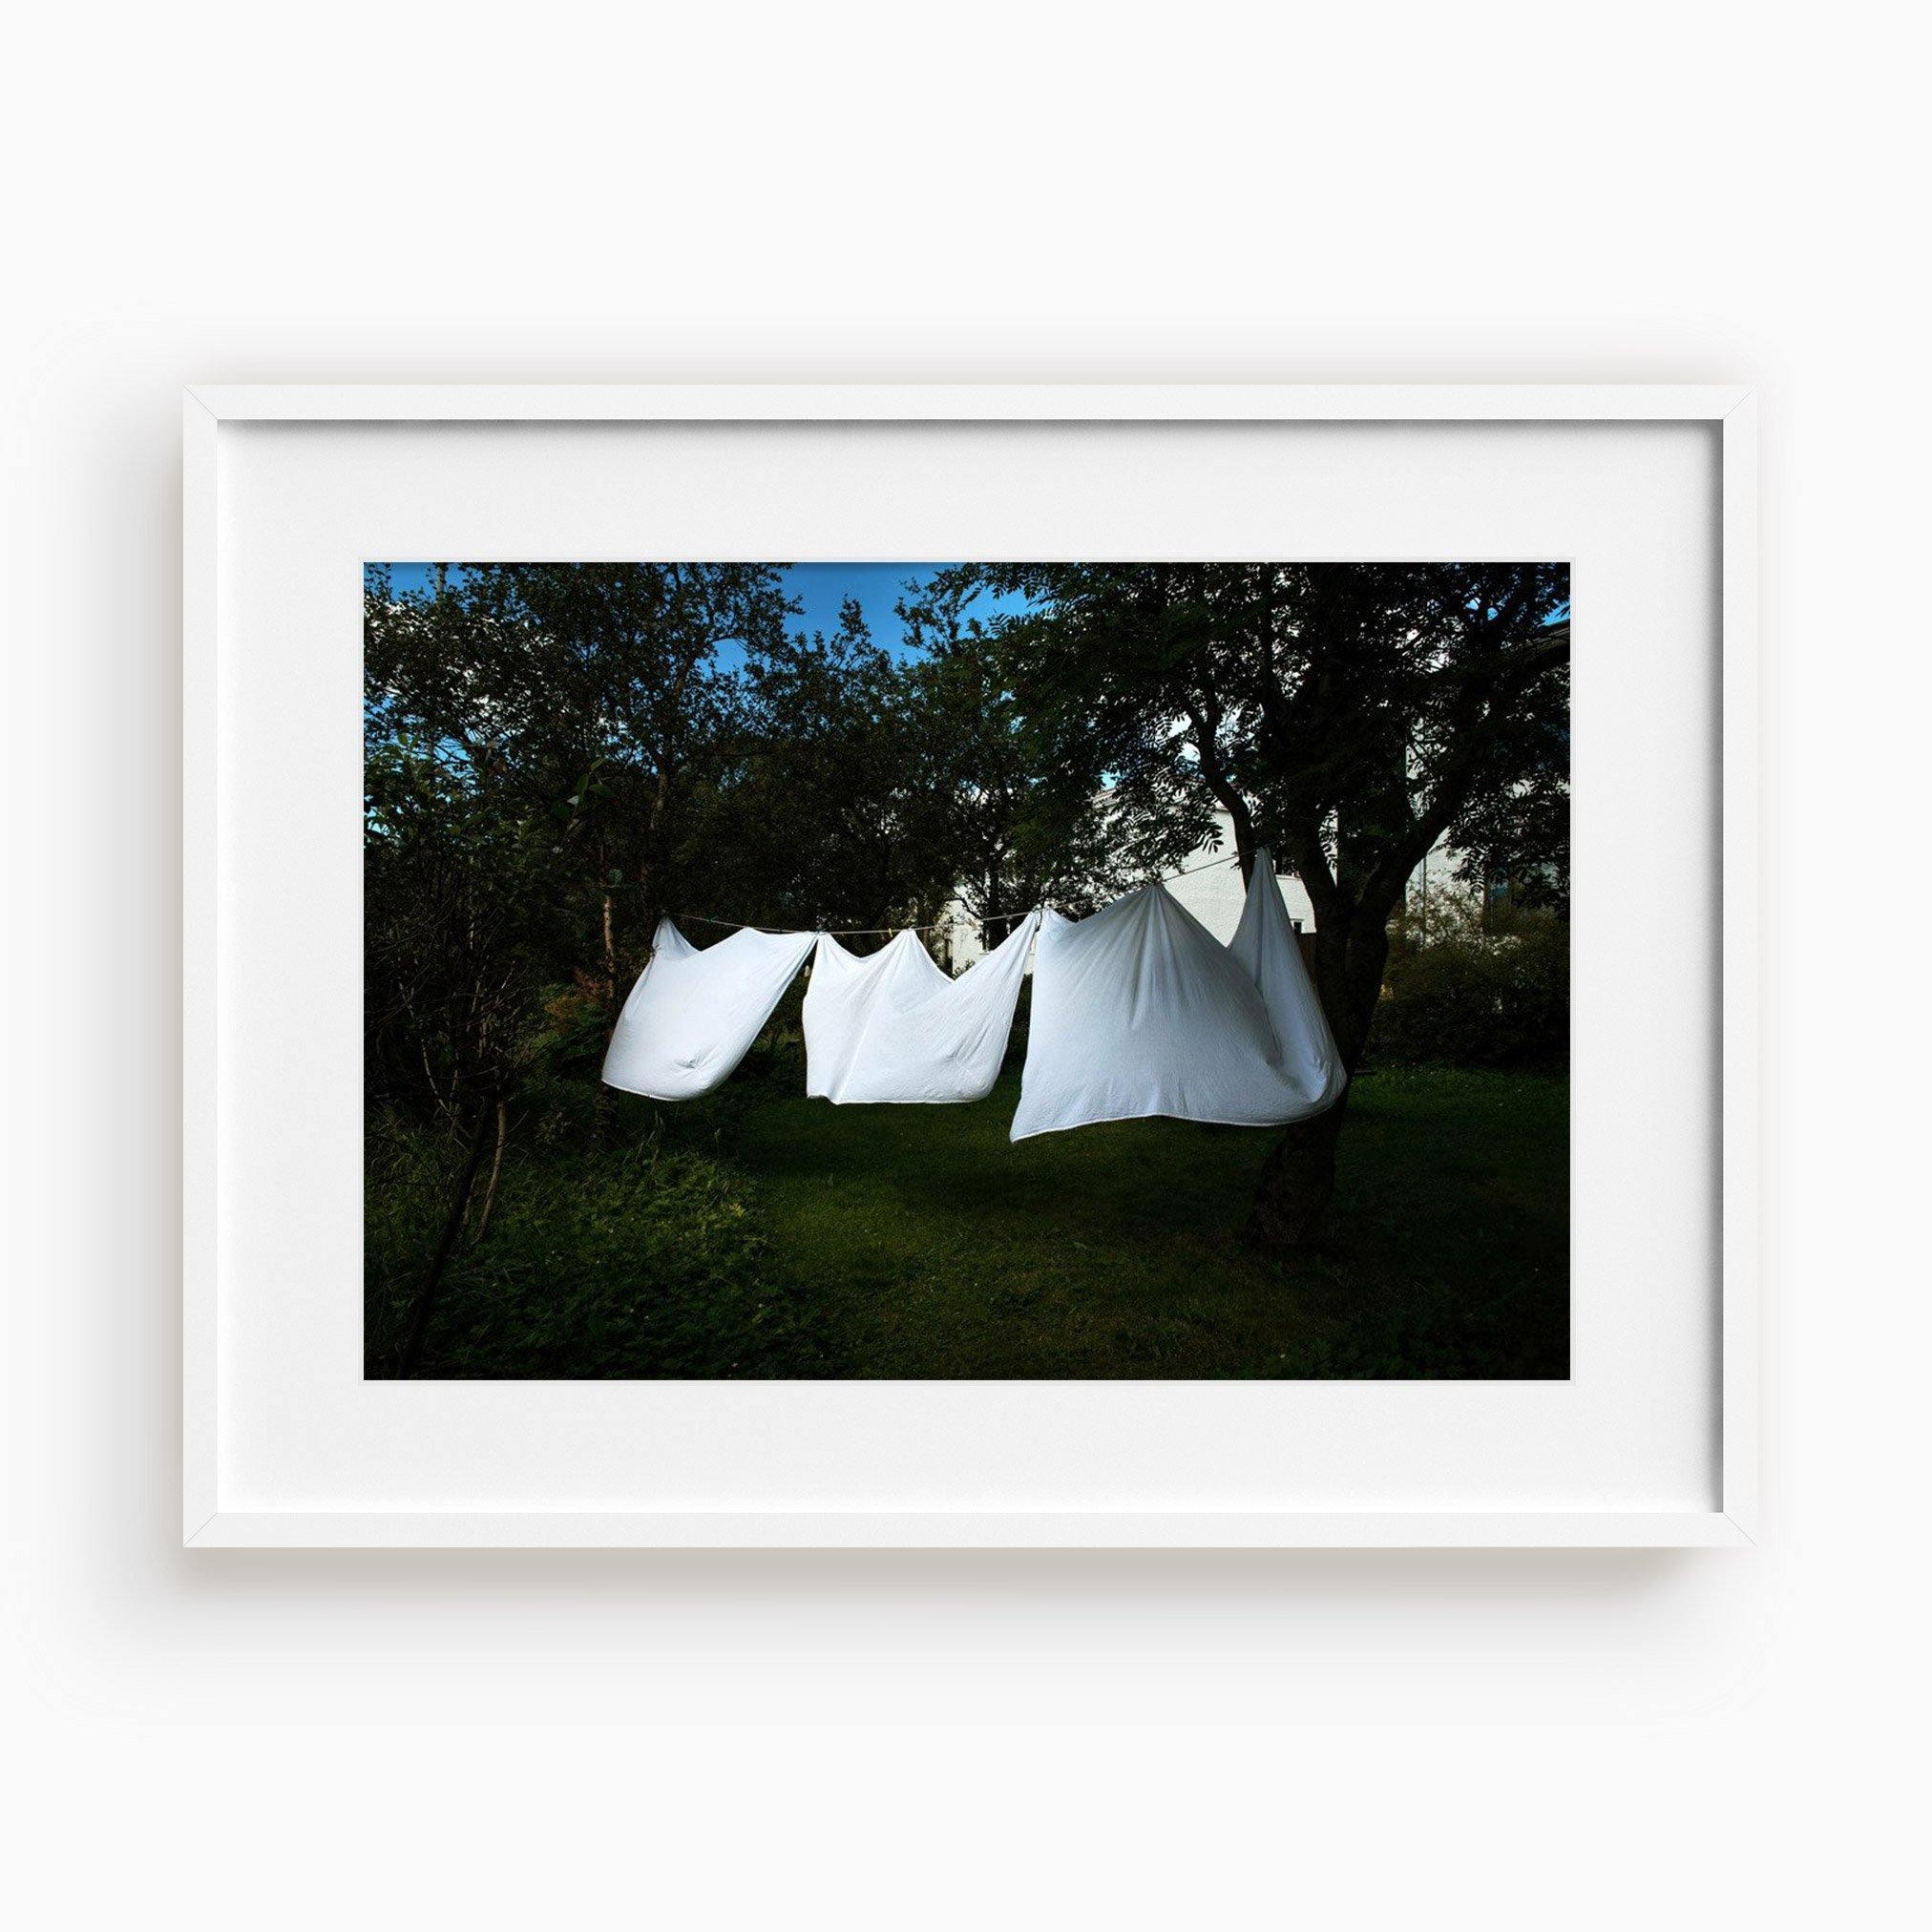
597 1263
1455 993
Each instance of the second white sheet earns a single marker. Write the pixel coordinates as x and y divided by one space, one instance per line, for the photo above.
893 1026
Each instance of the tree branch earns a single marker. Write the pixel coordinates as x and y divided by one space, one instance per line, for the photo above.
1485 705
1206 720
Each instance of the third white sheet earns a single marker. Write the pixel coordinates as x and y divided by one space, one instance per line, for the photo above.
1140 1010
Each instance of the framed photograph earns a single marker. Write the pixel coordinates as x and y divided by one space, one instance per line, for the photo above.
979 966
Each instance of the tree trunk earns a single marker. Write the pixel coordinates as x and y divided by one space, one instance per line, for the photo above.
453 1228
1291 1203
1298 1183
495 1173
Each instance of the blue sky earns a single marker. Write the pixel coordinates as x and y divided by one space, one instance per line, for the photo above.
878 586
819 588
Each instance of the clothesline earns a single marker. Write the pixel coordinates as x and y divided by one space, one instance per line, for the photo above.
875 932
832 931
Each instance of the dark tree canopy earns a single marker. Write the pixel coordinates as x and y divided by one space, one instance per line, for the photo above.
1346 716
558 753
1020 830
831 810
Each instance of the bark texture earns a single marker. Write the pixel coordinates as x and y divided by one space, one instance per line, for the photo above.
1297 1186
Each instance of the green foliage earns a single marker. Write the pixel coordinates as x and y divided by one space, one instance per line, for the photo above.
835 739
457 921
1459 993
583 710
1020 829
599 1262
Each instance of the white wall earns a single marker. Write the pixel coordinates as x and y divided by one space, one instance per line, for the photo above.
1209 886
1214 893
1379 1739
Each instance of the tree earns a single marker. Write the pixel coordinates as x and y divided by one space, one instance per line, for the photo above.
829 811
448 889
1346 716
1020 829
1516 837
597 694
534 738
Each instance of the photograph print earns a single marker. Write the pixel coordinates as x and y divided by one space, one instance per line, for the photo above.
905 971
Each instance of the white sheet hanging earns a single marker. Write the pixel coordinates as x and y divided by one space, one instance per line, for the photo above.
1266 944
692 1015
1140 1010
893 1027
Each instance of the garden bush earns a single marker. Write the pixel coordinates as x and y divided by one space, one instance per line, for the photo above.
1457 993
620 1262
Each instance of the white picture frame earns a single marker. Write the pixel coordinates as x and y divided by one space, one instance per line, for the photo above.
230 1502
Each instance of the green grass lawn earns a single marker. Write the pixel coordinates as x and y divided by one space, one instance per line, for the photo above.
757 1233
